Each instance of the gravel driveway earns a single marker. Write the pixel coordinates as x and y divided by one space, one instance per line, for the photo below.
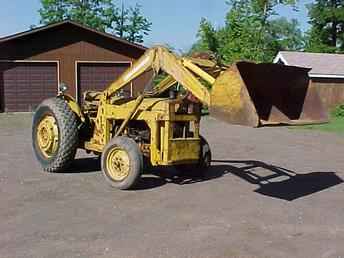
271 192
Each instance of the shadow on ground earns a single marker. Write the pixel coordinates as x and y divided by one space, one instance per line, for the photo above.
84 165
271 180
276 181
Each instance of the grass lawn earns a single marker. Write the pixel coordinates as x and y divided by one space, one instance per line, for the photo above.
336 125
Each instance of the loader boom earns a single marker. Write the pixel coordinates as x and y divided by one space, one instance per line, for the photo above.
181 70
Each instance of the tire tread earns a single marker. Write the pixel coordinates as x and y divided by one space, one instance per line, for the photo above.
68 134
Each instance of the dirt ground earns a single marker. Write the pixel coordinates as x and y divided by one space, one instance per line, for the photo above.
271 192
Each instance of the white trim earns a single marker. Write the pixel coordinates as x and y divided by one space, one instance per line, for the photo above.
57 62
77 62
280 57
104 62
326 76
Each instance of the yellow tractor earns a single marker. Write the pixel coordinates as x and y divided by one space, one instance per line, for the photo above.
161 126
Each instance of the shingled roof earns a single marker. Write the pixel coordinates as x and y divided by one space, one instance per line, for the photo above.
323 65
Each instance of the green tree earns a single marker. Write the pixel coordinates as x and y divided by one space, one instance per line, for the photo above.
264 9
93 13
327 26
131 24
208 38
119 21
287 34
250 33
137 25
242 36
102 15
53 11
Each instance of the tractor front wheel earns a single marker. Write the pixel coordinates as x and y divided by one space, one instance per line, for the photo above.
122 162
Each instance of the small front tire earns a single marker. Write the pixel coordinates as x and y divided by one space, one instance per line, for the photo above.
122 163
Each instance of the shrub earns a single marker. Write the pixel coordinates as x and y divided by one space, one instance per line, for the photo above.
338 111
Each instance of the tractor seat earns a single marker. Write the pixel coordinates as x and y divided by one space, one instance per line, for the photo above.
92 96
91 99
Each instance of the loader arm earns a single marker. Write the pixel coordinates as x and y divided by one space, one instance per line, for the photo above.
181 70
203 68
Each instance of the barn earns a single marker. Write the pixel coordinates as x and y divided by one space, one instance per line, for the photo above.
327 73
33 63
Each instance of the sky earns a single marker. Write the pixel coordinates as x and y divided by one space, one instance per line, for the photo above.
175 22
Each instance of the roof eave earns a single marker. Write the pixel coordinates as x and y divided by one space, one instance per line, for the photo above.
46 27
331 76
280 57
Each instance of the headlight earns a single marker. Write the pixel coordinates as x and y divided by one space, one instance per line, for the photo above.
63 87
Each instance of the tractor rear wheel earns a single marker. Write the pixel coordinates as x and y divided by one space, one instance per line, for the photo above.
122 162
54 134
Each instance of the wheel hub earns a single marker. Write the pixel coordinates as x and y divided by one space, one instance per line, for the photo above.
118 164
47 136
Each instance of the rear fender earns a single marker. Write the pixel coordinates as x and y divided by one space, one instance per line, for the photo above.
74 106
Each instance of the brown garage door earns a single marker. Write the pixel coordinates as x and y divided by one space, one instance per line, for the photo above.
24 85
98 76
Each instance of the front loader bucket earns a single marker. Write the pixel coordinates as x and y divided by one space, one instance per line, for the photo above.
265 94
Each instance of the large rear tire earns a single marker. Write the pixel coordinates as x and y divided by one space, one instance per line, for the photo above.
122 163
54 134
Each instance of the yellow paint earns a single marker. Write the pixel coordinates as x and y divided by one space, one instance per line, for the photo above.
181 150
226 91
187 63
118 164
47 136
